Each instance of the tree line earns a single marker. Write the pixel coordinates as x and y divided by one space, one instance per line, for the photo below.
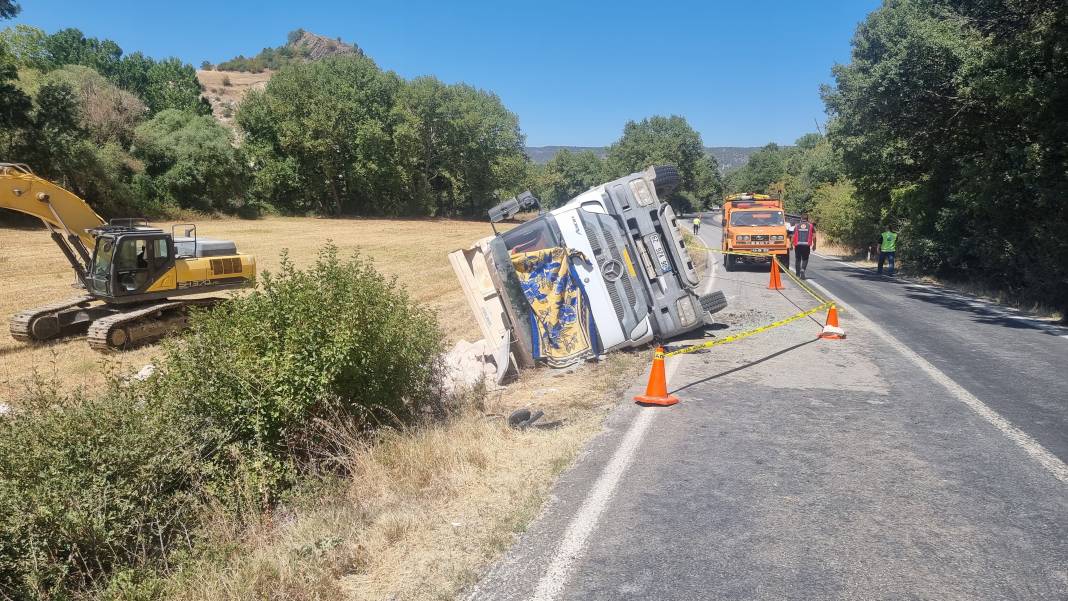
335 136
951 122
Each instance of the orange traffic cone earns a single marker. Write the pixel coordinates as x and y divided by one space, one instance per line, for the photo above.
831 331
656 392
775 283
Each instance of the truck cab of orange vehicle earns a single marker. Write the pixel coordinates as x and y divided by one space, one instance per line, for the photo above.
754 223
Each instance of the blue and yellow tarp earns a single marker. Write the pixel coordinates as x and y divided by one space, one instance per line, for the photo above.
562 328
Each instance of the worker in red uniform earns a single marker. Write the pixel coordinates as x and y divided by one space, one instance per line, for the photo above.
804 242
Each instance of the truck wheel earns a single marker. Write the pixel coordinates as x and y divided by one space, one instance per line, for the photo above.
729 262
786 262
665 179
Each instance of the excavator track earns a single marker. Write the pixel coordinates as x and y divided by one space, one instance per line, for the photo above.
42 323
143 324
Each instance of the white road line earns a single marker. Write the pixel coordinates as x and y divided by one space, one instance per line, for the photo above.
1037 452
573 544
975 303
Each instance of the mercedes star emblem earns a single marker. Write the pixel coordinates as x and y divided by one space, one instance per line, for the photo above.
612 270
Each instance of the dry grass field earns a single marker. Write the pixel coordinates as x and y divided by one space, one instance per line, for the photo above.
432 506
33 272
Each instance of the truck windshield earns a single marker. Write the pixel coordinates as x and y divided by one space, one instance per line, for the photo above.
767 218
531 236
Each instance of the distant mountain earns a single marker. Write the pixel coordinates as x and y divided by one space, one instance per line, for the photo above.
729 157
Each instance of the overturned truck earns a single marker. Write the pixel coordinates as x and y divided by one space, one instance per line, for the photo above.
608 270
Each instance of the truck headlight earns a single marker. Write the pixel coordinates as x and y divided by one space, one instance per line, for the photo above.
778 238
686 312
742 238
641 192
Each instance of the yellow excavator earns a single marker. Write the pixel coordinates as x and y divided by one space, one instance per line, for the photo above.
133 274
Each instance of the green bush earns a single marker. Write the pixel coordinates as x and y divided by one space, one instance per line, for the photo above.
336 340
103 495
92 485
842 217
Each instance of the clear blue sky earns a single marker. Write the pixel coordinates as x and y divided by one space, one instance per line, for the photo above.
743 72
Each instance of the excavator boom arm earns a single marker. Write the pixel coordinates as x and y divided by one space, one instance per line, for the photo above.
60 209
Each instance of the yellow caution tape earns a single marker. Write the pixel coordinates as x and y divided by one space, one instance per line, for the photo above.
824 304
746 334
746 253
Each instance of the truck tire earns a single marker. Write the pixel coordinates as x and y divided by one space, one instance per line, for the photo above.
729 262
786 261
665 179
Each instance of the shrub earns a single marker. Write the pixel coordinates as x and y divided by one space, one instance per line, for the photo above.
842 217
91 485
226 81
336 340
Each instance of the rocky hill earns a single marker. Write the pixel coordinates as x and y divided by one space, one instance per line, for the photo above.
301 46
225 84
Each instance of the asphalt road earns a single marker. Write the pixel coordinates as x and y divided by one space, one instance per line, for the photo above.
1016 365
804 469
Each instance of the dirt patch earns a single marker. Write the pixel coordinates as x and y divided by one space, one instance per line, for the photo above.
226 89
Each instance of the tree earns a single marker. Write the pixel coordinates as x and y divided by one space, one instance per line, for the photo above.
341 136
764 167
952 117
469 147
567 175
26 45
106 113
8 9
667 140
332 120
193 161
14 104
172 84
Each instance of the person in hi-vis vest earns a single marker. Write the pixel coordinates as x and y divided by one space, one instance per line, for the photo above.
696 224
804 241
887 249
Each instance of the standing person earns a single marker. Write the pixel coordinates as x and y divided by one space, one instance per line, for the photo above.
887 249
789 241
696 224
804 242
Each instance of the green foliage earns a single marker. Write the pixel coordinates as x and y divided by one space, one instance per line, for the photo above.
25 44
841 217
8 9
337 341
293 52
567 175
467 146
172 84
355 139
668 140
160 85
106 113
192 161
15 105
765 166
952 117
91 485
800 169
100 495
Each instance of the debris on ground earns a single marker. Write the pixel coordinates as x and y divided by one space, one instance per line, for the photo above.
469 363
522 419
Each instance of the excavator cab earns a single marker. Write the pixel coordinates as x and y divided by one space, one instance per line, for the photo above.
129 261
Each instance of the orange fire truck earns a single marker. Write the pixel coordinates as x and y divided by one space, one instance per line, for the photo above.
754 223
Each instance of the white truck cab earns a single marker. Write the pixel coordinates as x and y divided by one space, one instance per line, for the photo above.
629 254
